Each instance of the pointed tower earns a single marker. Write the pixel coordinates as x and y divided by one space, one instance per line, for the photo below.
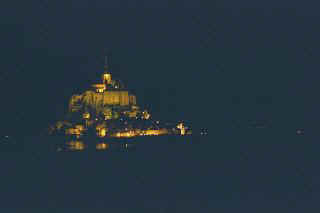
106 67
106 77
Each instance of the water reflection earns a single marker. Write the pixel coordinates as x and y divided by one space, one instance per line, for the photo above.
128 147
100 146
76 145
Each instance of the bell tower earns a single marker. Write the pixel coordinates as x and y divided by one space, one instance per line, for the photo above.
106 77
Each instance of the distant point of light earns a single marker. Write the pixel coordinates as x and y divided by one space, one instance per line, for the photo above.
300 131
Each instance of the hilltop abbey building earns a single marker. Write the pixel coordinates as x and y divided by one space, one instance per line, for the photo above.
107 99
113 92
110 110
104 96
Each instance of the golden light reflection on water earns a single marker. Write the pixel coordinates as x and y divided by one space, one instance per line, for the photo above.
102 146
76 145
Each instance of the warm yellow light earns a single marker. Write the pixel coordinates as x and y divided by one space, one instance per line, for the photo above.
76 145
100 90
126 134
154 132
102 132
102 146
106 78
146 115
182 128
73 131
86 115
79 127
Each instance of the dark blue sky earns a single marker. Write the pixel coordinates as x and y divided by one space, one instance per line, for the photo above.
204 61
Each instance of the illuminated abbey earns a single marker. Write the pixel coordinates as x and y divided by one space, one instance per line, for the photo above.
104 98
108 109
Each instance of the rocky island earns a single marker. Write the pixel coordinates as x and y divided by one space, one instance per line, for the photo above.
109 110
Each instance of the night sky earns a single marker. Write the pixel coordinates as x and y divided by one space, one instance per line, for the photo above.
208 63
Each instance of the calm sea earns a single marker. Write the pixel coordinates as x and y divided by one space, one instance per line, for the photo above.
256 170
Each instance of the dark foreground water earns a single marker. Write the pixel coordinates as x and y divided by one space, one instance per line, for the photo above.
260 171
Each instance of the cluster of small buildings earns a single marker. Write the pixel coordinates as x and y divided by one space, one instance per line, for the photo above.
103 131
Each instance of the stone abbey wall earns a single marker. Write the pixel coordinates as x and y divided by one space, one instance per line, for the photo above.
132 100
115 98
97 100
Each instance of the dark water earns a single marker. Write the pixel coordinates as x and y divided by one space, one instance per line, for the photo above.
228 172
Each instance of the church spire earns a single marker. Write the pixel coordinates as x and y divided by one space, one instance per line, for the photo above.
106 67
106 77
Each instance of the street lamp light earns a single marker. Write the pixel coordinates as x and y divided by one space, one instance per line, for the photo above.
86 117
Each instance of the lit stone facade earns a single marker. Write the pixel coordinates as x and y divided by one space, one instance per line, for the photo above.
96 100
